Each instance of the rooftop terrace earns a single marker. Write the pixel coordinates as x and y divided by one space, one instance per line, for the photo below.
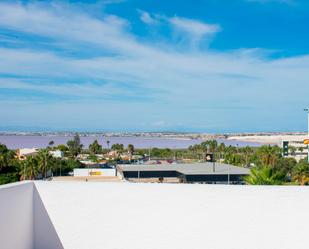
91 215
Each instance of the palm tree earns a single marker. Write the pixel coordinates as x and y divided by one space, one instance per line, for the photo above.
301 173
264 176
29 169
44 161
247 153
269 154
221 150
108 142
131 149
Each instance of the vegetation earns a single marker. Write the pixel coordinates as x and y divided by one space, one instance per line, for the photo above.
264 176
9 165
74 146
266 163
95 147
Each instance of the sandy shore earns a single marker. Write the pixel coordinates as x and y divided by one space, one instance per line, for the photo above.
271 139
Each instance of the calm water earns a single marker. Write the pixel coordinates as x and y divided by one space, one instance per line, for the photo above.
14 142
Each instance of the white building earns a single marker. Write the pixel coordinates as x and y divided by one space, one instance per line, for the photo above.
94 172
92 215
56 153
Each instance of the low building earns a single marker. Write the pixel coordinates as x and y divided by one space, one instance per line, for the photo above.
56 153
190 173
23 153
103 171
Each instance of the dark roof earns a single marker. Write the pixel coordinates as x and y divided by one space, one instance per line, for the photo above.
189 169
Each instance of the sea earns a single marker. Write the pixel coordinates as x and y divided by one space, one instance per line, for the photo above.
35 141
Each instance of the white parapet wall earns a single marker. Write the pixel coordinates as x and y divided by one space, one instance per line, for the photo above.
24 221
97 215
16 216
94 172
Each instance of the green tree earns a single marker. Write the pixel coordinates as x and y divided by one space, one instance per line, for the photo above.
9 165
221 150
118 147
247 152
269 155
264 176
29 168
301 173
95 147
45 162
131 149
74 146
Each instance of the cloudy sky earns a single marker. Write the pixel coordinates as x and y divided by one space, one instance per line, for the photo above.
154 65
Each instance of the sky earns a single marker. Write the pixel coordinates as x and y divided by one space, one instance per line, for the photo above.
154 65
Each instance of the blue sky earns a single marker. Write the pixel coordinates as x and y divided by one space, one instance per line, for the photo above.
121 65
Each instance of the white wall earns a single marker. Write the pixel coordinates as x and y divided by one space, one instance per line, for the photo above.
45 235
16 216
87 172
24 221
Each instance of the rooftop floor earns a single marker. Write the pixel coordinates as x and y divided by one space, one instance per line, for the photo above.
93 215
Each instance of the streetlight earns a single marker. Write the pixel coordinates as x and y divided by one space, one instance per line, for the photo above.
307 110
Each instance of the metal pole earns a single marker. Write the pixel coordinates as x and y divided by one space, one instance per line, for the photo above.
308 135
307 110
228 175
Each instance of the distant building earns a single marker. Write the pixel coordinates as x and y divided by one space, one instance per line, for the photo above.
294 149
103 171
23 153
56 153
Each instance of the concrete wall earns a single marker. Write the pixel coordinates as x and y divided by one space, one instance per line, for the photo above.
16 216
45 235
24 221
92 171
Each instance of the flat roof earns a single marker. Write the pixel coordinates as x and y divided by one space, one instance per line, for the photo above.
176 216
188 169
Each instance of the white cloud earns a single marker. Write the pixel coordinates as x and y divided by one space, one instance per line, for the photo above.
147 18
199 84
194 27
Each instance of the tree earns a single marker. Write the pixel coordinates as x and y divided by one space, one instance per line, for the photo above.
221 150
74 146
7 157
95 147
29 169
108 142
269 155
51 143
45 162
264 176
9 165
301 173
247 151
131 149
62 148
117 147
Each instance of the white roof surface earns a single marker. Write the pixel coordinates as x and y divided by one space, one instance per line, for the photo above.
94 215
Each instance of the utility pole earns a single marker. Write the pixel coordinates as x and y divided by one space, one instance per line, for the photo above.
307 110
